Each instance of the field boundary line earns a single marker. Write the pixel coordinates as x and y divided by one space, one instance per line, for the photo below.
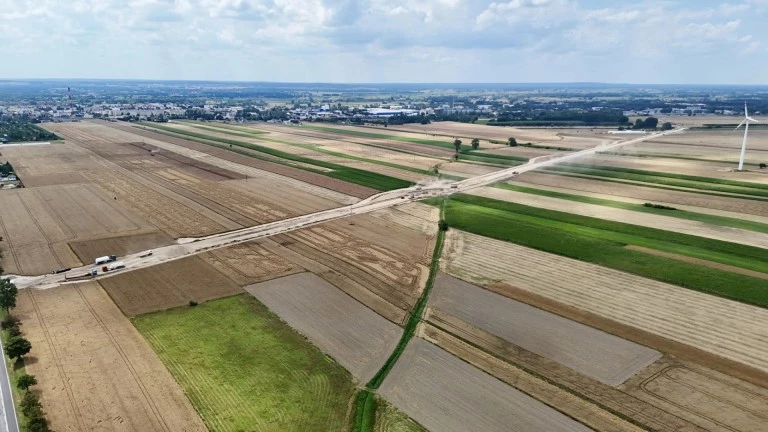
40 229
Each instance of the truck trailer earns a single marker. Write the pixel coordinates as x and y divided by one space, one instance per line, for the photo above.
105 259
116 265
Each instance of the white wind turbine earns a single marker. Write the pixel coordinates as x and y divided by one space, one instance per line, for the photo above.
747 120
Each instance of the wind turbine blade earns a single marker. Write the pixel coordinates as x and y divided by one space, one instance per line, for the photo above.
740 124
746 114
752 120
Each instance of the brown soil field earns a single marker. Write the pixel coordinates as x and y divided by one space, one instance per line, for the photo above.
714 401
355 336
503 359
88 250
249 263
415 216
667 223
443 393
647 194
604 357
168 285
96 372
582 410
37 224
717 326
294 200
282 170
706 119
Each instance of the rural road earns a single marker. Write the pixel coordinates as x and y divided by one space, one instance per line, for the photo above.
10 423
191 246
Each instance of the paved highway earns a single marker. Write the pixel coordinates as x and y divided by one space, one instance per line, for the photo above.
10 423
191 246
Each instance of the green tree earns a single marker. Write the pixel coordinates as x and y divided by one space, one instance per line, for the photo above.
26 381
763 165
30 405
457 145
38 423
651 123
666 126
475 144
8 292
17 347
512 142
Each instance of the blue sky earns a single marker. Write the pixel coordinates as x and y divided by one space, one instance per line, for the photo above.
653 41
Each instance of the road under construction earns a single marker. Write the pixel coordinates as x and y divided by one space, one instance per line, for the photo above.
185 247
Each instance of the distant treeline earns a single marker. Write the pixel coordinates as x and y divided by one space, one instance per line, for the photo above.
22 130
562 118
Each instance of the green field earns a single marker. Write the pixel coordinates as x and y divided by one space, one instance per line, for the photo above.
353 175
245 369
682 214
603 242
390 419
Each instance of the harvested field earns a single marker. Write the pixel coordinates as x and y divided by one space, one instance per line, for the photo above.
444 393
415 216
37 224
245 370
88 250
286 196
249 263
95 371
707 263
712 400
668 223
718 326
319 180
604 357
390 419
168 285
648 194
170 216
540 381
355 336
51 161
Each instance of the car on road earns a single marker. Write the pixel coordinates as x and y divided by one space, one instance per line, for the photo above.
61 270
146 254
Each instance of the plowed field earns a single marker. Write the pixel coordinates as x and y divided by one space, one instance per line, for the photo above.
356 337
95 371
168 285
444 393
249 263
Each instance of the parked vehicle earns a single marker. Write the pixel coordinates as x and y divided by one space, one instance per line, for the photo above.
61 270
146 254
105 259
116 265
94 272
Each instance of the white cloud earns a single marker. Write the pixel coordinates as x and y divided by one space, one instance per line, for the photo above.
382 40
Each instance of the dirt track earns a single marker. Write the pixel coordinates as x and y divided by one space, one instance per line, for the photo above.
356 337
443 393
96 372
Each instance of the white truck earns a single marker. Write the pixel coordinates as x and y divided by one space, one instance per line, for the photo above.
105 259
116 265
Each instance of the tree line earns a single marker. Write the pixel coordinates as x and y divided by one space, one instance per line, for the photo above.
16 347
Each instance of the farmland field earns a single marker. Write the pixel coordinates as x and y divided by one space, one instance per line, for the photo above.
352 334
168 285
443 393
672 312
599 355
249 371
96 372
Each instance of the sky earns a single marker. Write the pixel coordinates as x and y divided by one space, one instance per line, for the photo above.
515 41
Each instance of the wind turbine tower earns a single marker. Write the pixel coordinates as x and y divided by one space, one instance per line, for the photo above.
747 120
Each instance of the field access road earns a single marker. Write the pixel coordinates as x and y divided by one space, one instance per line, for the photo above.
191 246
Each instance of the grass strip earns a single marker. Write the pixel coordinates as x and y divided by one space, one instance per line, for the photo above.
564 234
413 319
365 411
682 214
15 370
314 148
353 175
666 156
